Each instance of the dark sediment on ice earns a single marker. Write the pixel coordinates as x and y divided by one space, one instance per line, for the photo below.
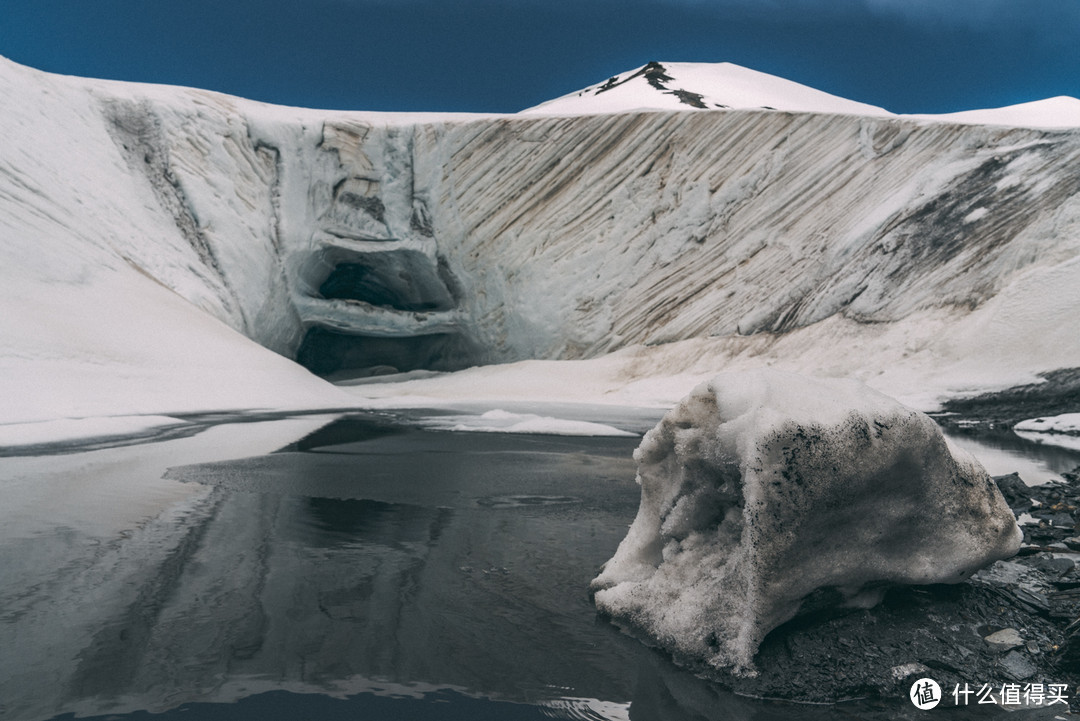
1028 607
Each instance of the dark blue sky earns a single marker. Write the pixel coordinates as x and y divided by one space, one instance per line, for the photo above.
505 55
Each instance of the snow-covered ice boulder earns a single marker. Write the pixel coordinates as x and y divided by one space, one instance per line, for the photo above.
761 488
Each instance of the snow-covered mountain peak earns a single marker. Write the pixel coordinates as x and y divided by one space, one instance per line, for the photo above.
718 86
702 86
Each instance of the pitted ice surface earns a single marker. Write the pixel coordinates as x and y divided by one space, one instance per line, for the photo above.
760 488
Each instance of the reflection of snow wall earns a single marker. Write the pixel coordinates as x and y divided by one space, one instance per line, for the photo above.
361 240
282 571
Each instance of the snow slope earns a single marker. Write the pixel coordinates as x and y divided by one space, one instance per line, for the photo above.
1059 112
106 309
166 250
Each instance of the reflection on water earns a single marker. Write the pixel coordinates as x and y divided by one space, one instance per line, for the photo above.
364 570
1005 452
361 551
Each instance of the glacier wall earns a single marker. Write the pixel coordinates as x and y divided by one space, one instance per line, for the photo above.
357 241
659 227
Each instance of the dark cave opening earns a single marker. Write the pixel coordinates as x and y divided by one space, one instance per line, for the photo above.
339 356
402 280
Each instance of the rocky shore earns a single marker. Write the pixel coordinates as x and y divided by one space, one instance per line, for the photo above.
1014 627
1058 392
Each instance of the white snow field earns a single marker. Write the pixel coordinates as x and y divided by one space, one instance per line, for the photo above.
166 251
1061 430
763 487
1059 112
1068 423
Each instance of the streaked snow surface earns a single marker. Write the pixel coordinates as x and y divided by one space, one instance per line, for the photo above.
105 309
162 248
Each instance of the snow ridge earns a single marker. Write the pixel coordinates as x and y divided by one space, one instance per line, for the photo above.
721 86
158 243
702 86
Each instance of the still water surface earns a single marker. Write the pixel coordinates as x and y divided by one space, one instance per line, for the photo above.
354 567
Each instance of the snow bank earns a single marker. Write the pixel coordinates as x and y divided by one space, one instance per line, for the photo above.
920 360
1065 423
1062 431
763 488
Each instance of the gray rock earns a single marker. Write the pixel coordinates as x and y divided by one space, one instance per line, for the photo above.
1017 493
1061 520
1004 640
760 489
1056 566
1031 598
1017 667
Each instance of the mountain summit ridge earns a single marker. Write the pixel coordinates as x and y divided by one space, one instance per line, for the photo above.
728 86
703 86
